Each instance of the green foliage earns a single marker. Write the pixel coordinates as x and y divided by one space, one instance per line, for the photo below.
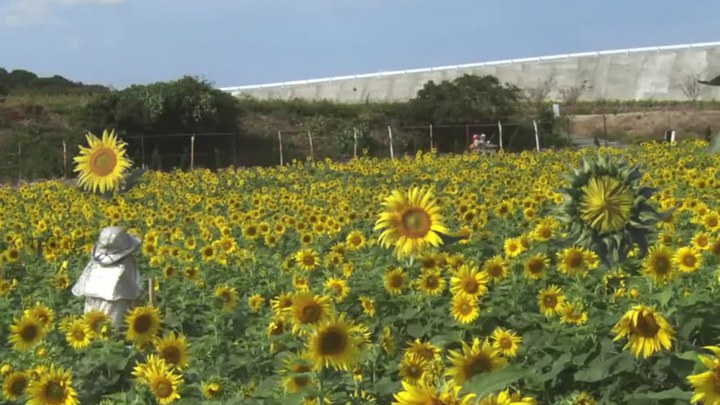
22 81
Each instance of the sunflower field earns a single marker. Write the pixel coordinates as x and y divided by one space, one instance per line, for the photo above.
559 277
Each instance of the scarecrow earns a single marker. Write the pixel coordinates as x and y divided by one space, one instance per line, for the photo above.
111 280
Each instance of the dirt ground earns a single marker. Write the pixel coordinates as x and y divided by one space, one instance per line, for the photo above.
648 124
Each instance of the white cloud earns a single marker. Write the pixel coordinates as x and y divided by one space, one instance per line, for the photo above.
32 12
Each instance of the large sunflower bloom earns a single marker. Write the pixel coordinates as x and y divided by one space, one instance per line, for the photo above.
101 166
15 384
706 385
411 222
659 265
143 324
469 281
606 204
475 359
334 343
425 393
26 332
174 350
53 387
646 330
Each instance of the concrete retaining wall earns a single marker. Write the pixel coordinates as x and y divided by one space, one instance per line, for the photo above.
630 74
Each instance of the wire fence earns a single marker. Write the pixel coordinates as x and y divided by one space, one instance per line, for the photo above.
188 151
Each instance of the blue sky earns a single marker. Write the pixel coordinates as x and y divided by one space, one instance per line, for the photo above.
236 42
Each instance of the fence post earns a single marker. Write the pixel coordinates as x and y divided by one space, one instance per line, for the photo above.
192 152
537 137
500 135
355 142
312 151
64 160
281 150
142 149
392 154
431 138
672 137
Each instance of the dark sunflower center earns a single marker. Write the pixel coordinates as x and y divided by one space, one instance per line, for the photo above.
29 333
18 385
333 341
478 364
432 282
78 334
711 222
142 324
470 285
415 223
308 260
505 343
355 240
574 259
311 313
396 281
535 266
103 162
661 264
425 353
54 391
646 326
495 270
689 260
550 301
251 231
464 309
171 354
163 388
414 371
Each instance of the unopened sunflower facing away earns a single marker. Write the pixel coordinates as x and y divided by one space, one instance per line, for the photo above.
411 222
647 331
102 165
606 209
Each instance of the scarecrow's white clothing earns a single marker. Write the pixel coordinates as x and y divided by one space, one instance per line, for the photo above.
112 288
117 310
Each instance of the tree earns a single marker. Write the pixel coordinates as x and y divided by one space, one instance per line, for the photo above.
466 99
691 87
571 95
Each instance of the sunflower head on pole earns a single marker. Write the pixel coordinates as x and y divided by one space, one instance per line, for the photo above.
103 166
606 209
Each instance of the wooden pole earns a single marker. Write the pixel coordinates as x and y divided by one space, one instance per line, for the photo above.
281 150
312 151
500 134
192 152
431 140
142 149
151 292
537 136
64 160
392 154
355 140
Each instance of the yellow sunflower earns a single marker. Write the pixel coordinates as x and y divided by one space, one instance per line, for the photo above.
174 350
706 385
606 204
143 323
43 313
506 341
334 344
647 331
307 259
102 165
229 296
535 267
425 393
95 319
308 309
411 222
475 359
464 308
513 247
164 384
355 240
470 281
575 261
256 302
338 288
395 281
496 268
78 334
53 387
426 350
15 384
212 390
368 305
659 265
573 313
413 368
431 282
550 300
26 332
687 259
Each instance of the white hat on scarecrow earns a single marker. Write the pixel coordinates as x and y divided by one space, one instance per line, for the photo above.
114 244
